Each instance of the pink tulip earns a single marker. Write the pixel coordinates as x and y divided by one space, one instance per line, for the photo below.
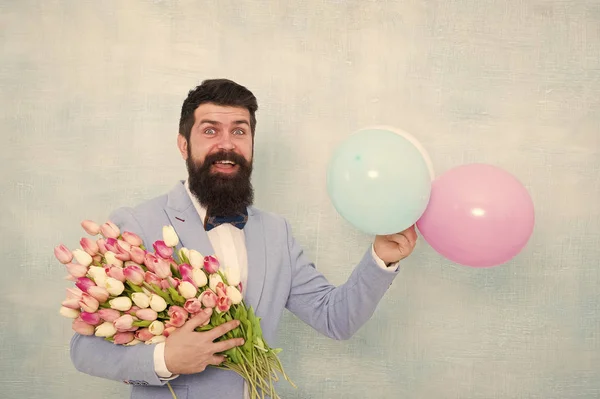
88 303
134 274
109 315
76 270
137 255
133 310
90 318
122 338
164 284
208 299
211 264
162 269
123 249
187 273
72 303
101 242
115 272
81 327
178 316
90 246
97 260
150 260
110 230
151 278
100 293
63 254
173 281
73 297
132 238
162 249
74 292
143 334
221 290
84 283
90 227
111 245
223 304
146 314
124 322
193 305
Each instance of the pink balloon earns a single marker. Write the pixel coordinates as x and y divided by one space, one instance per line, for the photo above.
478 215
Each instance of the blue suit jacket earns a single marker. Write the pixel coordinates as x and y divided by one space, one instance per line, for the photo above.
279 276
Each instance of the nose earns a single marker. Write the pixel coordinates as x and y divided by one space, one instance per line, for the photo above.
226 143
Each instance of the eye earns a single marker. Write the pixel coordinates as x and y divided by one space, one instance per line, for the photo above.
209 131
239 132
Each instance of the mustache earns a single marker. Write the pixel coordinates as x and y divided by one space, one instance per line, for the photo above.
225 156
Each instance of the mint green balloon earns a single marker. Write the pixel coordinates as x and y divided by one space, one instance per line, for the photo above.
379 181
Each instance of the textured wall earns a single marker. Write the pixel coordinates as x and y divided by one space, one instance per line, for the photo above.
89 108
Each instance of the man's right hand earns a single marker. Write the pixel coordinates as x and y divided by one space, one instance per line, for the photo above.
189 352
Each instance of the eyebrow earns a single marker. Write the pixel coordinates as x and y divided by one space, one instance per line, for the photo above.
211 122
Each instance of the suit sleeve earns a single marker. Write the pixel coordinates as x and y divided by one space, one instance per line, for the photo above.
97 357
337 312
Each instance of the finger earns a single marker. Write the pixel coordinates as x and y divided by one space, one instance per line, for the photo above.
403 242
227 344
216 360
222 329
196 321
411 236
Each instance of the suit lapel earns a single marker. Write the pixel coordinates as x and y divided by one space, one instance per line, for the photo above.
255 247
186 221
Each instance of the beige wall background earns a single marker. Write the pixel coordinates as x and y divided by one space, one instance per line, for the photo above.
89 108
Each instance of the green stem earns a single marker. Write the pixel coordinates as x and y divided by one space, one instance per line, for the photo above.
172 391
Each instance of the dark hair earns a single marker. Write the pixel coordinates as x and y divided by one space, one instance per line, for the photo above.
222 92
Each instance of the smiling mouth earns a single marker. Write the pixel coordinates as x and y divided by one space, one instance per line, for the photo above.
225 165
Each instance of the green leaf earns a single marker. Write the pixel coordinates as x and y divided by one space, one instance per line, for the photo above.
141 323
183 258
178 299
134 287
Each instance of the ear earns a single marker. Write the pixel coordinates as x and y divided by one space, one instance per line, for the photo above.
182 144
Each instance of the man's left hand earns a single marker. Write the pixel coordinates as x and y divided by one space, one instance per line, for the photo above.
392 248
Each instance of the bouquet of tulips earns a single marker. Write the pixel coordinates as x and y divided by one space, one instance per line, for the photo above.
129 295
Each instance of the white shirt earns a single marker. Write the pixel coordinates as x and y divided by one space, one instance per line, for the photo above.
230 248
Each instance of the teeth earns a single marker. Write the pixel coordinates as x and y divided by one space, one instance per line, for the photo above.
226 162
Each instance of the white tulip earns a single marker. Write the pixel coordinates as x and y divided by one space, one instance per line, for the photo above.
121 303
82 257
111 259
157 303
233 276
114 286
132 343
156 327
213 280
98 275
156 340
68 312
106 329
199 277
187 289
170 236
234 295
140 299
196 259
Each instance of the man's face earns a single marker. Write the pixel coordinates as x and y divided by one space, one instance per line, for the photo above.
219 129
219 158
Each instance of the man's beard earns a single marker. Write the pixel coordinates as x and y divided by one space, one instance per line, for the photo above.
221 194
